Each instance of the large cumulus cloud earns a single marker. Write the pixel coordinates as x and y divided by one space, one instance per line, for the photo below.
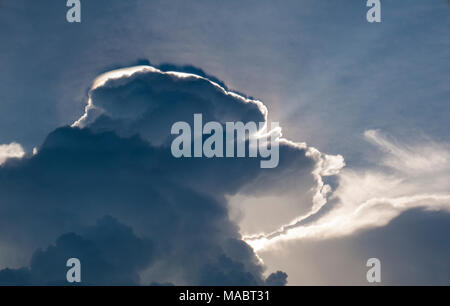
116 161
110 254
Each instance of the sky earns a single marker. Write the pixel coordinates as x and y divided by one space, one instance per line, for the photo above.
364 166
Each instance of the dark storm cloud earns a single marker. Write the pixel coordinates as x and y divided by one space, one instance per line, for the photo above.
110 254
413 250
277 279
174 211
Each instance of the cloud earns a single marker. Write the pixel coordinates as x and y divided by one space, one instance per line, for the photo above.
146 100
110 254
414 176
277 279
413 249
423 158
78 177
116 161
12 150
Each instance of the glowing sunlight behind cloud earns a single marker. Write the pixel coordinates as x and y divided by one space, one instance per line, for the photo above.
414 176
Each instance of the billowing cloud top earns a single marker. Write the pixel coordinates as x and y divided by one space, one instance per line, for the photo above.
115 163
148 101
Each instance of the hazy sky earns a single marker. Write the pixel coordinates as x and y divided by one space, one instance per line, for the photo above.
376 96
